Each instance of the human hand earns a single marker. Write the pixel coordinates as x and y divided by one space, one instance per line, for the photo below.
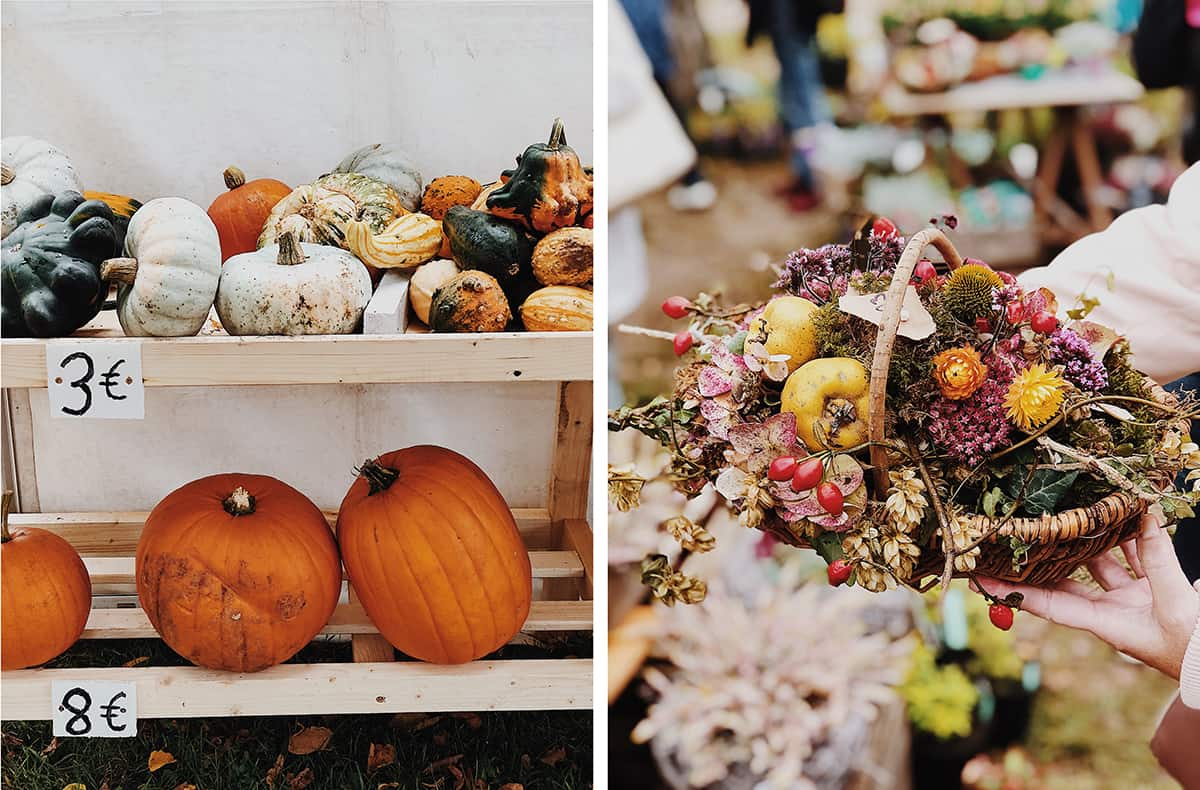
1149 616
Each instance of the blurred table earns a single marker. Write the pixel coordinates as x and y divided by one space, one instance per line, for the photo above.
1065 91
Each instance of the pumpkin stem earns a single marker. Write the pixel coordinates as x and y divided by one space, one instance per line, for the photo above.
239 503
558 134
122 270
379 477
5 537
6 174
234 177
290 251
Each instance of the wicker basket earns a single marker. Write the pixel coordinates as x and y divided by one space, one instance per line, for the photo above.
1058 543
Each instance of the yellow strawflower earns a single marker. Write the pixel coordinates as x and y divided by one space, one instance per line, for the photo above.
1034 396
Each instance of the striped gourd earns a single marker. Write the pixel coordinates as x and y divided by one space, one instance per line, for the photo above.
558 308
406 242
318 212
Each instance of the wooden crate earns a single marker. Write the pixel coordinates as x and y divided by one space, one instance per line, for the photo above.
375 682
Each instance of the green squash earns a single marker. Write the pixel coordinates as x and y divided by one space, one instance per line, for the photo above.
549 189
487 243
50 269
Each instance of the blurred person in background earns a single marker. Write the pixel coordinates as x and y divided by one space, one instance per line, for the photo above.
1166 52
803 108
1150 611
650 20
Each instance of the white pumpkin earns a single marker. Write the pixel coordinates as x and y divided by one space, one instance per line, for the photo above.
390 164
293 288
425 281
31 168
168 278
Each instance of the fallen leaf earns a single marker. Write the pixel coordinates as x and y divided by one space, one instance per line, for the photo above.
414 722
526 762
442 763
380 754
10 740
301 780
472 719
50 747
183 786
387 786
512 786
104 786
137 662
274 771
309 740
159 759
459 779
553 756
75 786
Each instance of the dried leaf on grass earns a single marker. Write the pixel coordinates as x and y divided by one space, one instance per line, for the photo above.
137 662
553 756
274 771
185 786
442 763
158 759
380 755
75 786
512 786
309 740
460 780
301 780
414 722
50 747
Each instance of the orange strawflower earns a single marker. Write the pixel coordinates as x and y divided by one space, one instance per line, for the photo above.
959 372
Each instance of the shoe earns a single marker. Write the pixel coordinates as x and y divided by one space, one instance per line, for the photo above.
699 196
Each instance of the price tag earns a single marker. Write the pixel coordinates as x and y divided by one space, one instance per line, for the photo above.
94 709
95 378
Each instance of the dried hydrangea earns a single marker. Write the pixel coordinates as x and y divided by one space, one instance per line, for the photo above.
1074 354
757 687
970 430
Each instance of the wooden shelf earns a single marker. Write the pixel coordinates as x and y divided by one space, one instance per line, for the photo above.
296 689
333 359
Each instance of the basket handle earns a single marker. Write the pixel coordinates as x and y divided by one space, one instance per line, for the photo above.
885 341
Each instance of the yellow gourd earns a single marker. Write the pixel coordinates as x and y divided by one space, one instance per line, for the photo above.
785 327
406 242
829 398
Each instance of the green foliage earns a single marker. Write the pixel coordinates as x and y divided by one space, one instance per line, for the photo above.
940 699
1043 491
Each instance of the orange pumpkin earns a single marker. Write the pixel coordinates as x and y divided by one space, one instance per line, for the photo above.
237 572
45 595
240 213
434 555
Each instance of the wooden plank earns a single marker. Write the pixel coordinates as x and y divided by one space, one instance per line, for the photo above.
110 534
314 689
132 623
577 536
18 424
387 312
546 565
571 472
342 359
367 648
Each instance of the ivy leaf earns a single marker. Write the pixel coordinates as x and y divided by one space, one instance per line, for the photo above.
990 500
1045 489
1087 305
828 545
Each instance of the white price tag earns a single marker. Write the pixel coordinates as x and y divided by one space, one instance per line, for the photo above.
95 378
94 709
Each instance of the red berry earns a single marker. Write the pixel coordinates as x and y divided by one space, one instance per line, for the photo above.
1001 616
782 468
884 228
682 342
676 306
924 272
1044 322
839 572
1014 312
808 473
983 326
830 497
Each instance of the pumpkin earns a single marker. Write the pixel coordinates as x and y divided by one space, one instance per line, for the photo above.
29 169
45 598
434 555
488 243
237 572
388 163
469 302
168 278
480 202
558 308
123 208
241 212
549 188
444 251
447 191
407 242
50 266
564 257
425 281
293 289
318 212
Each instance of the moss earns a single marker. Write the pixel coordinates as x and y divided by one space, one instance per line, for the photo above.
1125 380
835 334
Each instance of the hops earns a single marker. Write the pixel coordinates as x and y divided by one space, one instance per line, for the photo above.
906 502
691 536
964 532
669 585
959 372
1034 396
880 553
968 292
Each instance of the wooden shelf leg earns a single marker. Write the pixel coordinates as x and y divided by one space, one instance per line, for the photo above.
570 476
368 648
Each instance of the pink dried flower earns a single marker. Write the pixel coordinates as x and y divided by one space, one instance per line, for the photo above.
1074 354
971 429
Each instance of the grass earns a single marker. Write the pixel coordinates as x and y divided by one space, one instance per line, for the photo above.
551 749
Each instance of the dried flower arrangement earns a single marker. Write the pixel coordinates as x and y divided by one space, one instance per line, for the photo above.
1011 445
754 687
